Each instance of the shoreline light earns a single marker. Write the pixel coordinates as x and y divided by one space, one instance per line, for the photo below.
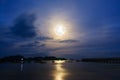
59 61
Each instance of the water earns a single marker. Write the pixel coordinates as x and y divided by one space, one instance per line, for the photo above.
64 71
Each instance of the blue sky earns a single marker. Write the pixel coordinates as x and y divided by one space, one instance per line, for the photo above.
92 28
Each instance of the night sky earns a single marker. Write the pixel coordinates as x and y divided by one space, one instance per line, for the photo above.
65 28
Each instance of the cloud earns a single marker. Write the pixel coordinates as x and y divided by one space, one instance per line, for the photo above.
44 38
68 41
42 45
24 26
28 45
33 44
22 37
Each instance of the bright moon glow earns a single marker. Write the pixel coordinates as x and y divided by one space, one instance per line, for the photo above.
60 30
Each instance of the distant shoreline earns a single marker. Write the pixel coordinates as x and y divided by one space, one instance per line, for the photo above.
22 59
102 60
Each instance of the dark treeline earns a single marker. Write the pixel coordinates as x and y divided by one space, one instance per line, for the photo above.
102 60
19 59
16 58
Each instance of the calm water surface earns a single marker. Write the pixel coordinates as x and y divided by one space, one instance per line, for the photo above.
65 71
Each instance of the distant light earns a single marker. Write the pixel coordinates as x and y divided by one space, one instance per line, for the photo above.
21 59
59 61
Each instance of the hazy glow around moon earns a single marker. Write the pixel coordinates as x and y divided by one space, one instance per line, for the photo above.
60 30
60 27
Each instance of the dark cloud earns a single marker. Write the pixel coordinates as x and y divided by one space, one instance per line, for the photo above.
44 38
68 41
28 45
42 45
24 26
21 37
34 44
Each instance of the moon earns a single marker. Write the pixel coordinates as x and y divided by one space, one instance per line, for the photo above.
59 30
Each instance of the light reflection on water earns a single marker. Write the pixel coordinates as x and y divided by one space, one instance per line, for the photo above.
21 67
60 73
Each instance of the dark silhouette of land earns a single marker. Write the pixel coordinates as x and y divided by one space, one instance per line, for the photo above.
102 60
19 59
